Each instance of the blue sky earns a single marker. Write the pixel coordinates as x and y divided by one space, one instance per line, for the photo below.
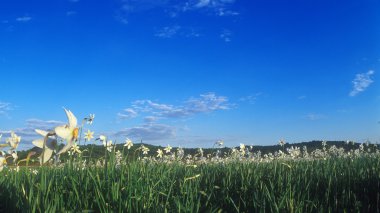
188 73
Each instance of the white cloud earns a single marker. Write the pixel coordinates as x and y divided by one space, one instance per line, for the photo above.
28 133
211 3
202 3
226 35
24 19
168 32
150 119
206 103
251 99
41 124
127 114
225 12
177 31
148 132
361 82
4 108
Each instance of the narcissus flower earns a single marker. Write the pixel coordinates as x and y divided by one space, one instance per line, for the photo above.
168 149
75 148
108 145
13 141
128 143
88 135
48 150
160 153
144 150
2 162
69 132
90 119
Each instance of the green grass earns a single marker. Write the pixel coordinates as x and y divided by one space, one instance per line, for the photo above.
332 185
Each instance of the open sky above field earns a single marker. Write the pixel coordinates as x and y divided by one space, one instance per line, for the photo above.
189 73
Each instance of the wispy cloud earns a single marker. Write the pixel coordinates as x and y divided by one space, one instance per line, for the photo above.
208 3
5 107
226 12
301 97
225 35
31 125
41 124
24 19
150 131
168 32
361 82
127 114
206 103
177 31
315 116
251 99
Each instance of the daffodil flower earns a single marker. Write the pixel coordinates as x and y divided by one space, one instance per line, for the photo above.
168 149
108 145
69 132
88 135
144 150
128 143
13 141
90 119
160 153
50 144
2 162
75 149
15 156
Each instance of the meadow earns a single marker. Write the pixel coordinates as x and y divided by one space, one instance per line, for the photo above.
132 177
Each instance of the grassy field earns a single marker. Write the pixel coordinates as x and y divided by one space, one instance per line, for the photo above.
333 184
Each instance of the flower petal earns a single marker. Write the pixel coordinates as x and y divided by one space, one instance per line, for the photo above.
47 153
63 131
41 132
71 118
65 148
39 143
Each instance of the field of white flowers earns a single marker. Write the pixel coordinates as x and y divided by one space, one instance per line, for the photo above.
133 178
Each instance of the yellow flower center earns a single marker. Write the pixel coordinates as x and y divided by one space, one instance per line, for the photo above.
75 133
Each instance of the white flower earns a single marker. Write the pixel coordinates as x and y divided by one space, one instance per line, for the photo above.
160 153
281 142
144 150
90 119
13 141
102 138
75 148
242 147
2 162
108 145
49 146
15 156
69 132
128 143
88 135
168 149
34 171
